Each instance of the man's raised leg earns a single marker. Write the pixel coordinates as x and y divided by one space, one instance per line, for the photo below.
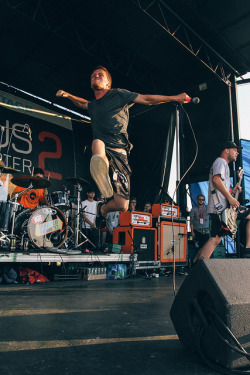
118 203
99 168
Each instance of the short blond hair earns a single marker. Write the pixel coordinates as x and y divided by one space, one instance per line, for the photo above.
100 67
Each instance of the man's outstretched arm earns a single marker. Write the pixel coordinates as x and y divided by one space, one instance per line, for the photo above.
159 99
80 102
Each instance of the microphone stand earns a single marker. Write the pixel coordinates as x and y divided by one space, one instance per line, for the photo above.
132 257
77 229
172 250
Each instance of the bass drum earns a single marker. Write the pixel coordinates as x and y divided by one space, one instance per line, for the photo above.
45 227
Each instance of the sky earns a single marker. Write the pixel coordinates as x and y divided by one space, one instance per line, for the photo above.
244 108
244 124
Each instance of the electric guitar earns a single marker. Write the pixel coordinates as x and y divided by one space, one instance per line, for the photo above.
229 215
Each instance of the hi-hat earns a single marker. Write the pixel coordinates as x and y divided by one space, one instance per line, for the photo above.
77 180
25 181
4 169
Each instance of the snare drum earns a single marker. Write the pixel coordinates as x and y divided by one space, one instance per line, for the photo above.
60 199
45 227
6 213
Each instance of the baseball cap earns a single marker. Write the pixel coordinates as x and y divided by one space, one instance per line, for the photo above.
231 144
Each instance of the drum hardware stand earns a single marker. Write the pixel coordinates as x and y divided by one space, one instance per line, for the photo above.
86 239
12 236
14 199
77 229
68 239
4 238
79 189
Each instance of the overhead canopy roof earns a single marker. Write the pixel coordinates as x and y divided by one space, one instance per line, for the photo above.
164 47
50 44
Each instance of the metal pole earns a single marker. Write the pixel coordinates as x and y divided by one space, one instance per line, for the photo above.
231 126
177 141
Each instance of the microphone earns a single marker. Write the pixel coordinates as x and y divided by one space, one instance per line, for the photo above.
192 100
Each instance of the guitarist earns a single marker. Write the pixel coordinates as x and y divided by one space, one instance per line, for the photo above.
219 195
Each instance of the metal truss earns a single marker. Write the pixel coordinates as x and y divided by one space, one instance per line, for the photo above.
159 12
88 42
67 27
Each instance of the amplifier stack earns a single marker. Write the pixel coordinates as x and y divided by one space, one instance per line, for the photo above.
136 235
158 237
172 234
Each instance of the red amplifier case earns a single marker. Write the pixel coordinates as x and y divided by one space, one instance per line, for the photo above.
136 219
165 210
144 240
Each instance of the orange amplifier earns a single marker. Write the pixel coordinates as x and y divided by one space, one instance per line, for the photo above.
172 237
135 219
142 240
165 210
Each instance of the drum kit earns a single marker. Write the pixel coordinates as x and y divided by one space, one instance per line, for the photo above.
55 227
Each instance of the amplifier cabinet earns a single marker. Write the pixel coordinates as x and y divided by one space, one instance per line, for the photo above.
136 219
172 236
143 239
165 210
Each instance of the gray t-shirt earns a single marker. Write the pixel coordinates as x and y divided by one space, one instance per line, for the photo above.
110 116
199 217
220 166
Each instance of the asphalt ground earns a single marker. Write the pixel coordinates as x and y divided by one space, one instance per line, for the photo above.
93 327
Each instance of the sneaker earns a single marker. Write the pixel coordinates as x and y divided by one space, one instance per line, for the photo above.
100 220
99 170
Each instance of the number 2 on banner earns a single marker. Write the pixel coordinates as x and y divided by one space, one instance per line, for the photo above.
50 155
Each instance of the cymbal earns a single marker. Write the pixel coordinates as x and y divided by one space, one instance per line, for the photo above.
77 180
4 169
25 181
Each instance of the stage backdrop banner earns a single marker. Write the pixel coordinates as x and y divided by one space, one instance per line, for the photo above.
50 146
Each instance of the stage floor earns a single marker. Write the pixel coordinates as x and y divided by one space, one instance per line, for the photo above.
95 327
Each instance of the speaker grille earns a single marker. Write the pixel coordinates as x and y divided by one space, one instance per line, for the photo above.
145 243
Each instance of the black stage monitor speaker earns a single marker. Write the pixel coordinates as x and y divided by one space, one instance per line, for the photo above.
213 298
